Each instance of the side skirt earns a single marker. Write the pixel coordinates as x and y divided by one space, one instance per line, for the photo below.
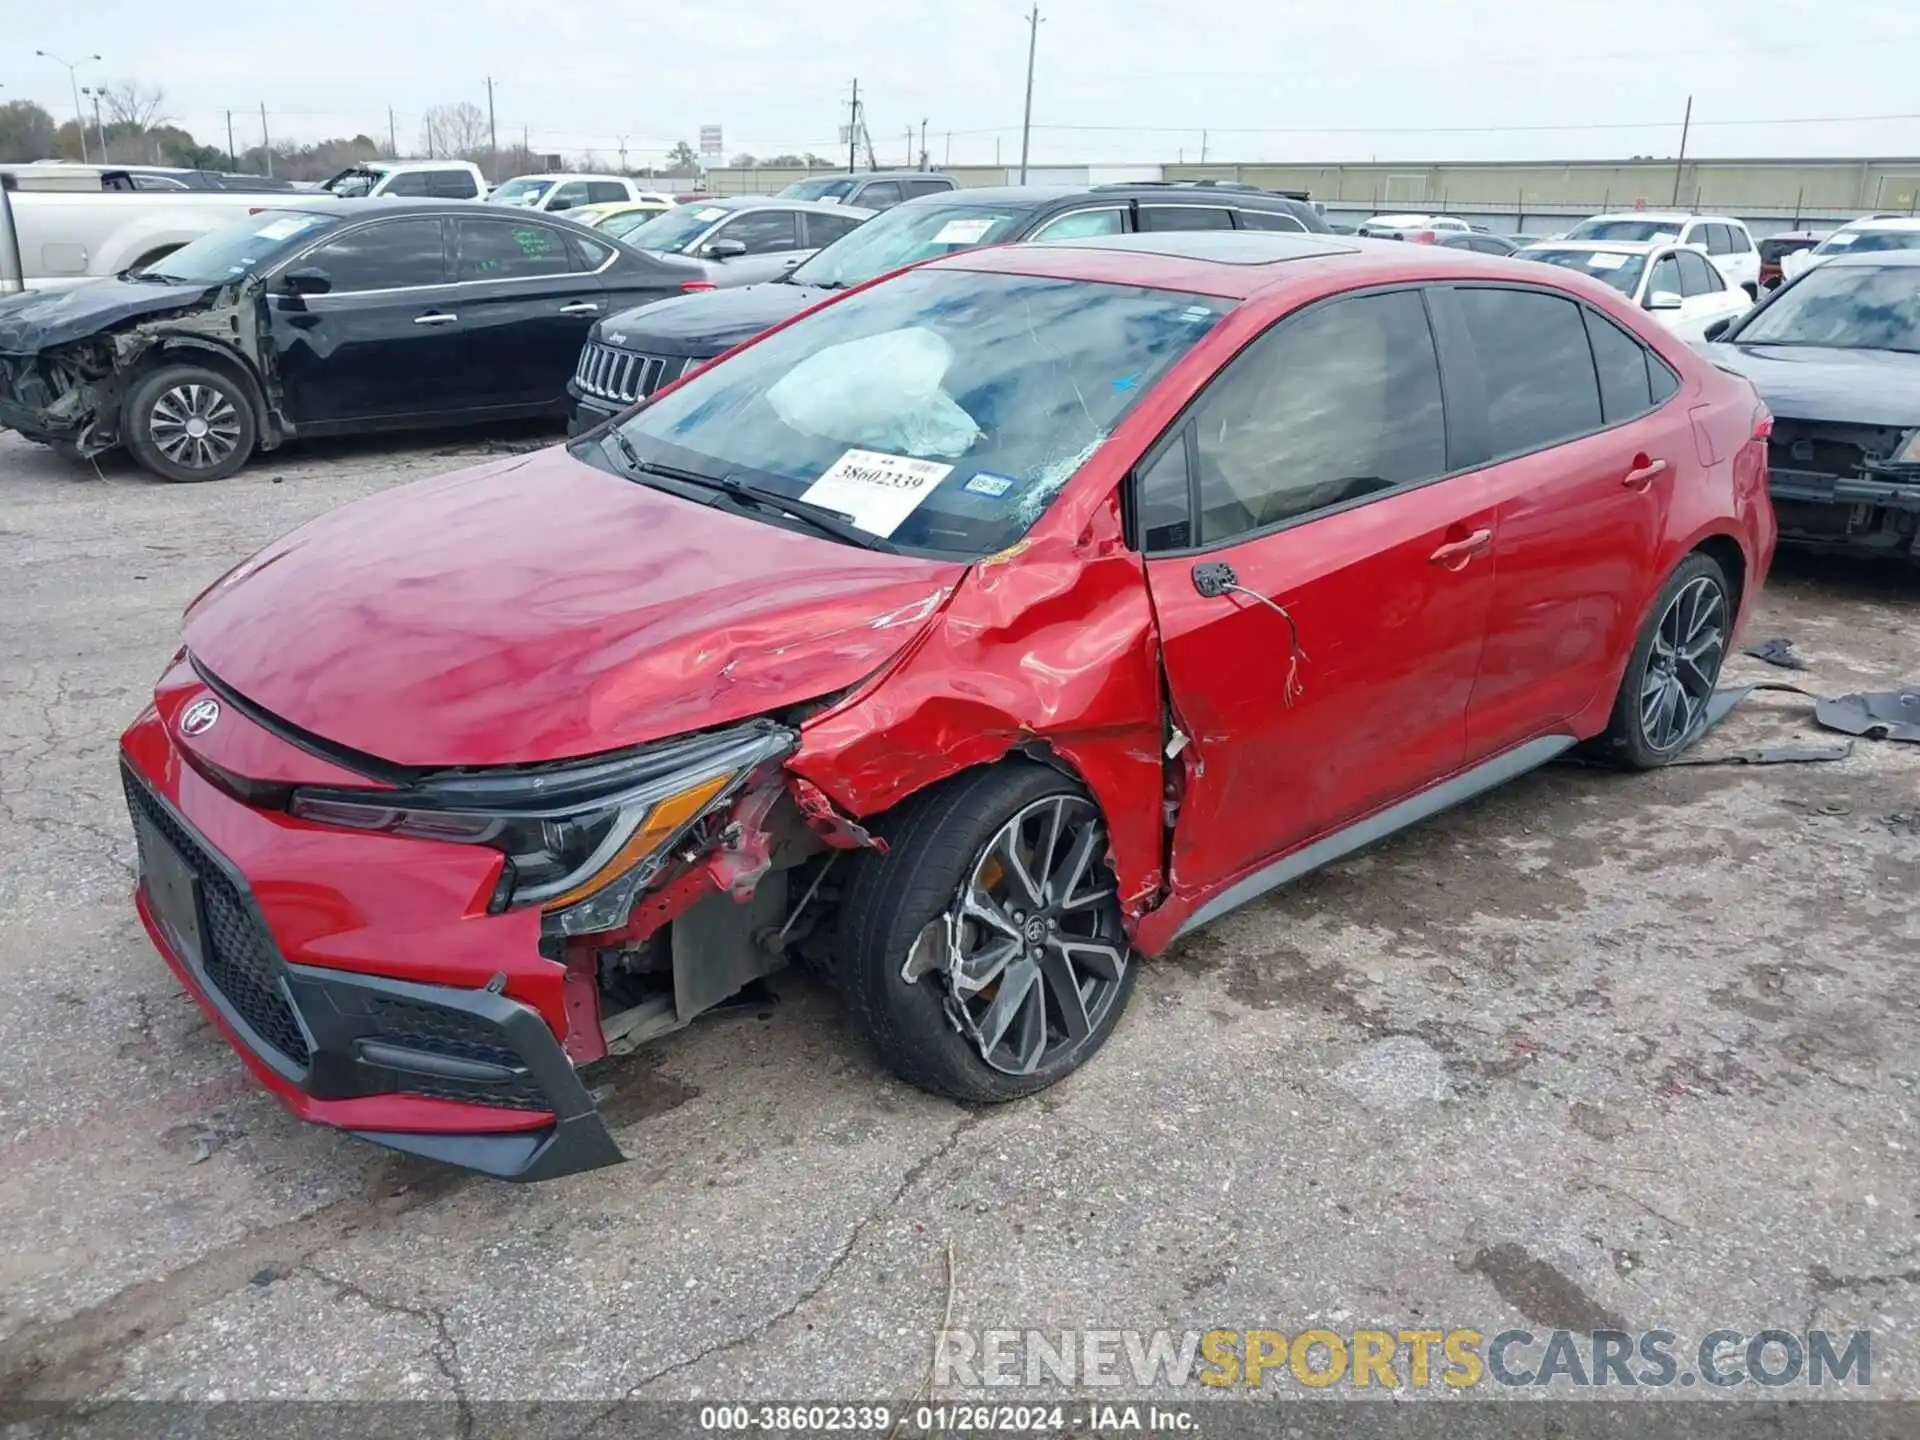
1464 786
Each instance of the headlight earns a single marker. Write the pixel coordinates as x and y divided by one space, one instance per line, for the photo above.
582 840
1909 451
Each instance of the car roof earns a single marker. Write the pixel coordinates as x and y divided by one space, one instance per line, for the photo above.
773 202
562 175
356 207
1683 216
1618 247
1895 224
1243 264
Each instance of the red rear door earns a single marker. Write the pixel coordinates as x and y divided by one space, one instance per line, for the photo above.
1321 590
1584 466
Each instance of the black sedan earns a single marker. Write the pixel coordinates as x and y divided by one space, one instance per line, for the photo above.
324 318
1836 356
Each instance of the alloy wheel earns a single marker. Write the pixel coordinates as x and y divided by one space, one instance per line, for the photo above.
194 425
1034 951
1683 666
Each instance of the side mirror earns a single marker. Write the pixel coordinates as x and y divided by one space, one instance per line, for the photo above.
1663 300
724 249
1718 328
307 280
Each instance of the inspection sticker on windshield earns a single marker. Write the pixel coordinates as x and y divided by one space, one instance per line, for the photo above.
986 483
878 491
963 232
1606 260
283 227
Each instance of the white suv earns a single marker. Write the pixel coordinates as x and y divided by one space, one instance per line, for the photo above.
1856 237
570 192
1725 239
1396 227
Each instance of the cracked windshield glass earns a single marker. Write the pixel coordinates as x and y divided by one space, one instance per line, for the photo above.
942 410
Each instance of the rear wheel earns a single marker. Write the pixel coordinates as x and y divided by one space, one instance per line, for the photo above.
1675 666
186 423
984 955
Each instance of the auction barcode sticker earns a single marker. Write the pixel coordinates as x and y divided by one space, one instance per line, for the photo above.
877 490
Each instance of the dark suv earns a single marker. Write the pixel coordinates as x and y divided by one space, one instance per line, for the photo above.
630 355
871 190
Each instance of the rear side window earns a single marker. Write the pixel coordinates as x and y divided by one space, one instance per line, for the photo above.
387 255
927 187
1334 404
825 229
510 250
588 254
879 195
1184 217
1697 277
763 232
1622 362
604 192
1267 220
1738 241
451 185
1540 381
407 182
1716 238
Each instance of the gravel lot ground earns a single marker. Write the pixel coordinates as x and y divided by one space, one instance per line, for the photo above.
1596 1050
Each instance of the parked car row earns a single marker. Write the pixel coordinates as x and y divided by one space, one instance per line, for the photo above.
953 636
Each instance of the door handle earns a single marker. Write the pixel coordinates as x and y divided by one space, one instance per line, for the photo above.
435 317
1643 473
1456 553
580 307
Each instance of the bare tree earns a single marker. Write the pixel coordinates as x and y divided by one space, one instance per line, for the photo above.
133 107
456 129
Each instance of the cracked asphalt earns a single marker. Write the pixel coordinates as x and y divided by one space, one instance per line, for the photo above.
1597 1050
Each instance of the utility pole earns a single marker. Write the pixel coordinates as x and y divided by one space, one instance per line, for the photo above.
1203 147
393 135
1026 121
909 147
1686 124
93 93
266 145
949 159
493 138
73 83
233 156
853 124
923 143
623 154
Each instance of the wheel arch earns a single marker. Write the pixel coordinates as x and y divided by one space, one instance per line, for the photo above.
191 350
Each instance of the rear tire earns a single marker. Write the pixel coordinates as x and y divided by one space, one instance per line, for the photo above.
1674 669
187 423
1042 968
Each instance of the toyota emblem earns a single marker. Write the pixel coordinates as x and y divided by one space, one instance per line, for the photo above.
199 717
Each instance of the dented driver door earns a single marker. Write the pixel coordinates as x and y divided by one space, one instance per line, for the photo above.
1321 585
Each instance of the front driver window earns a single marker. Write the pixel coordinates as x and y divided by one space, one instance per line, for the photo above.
1338 402
390 255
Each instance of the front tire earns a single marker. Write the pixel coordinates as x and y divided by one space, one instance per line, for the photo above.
983 955
187 423
1675 666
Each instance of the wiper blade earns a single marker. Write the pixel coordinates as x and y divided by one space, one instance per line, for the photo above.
836 523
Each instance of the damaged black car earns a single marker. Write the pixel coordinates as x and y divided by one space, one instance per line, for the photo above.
333 318
1835 354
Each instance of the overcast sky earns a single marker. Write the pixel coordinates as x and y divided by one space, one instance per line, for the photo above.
1313 80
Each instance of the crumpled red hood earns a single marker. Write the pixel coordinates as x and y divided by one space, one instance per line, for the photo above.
540 609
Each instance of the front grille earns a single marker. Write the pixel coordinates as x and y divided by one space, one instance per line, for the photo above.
439 1031
624 375
1811 447
237 957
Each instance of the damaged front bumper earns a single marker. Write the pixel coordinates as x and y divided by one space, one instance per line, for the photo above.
54 404
1834 488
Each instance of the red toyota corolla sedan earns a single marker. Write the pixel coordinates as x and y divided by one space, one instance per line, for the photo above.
968 637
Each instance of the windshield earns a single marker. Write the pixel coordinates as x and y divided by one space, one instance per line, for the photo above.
675 231
1662 231
1850 307
905 235
237 250
623 223
351 184
818 189
1865 242
943 409
1618 268
520 192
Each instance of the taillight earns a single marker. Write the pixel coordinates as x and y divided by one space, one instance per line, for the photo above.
1424 237
692 285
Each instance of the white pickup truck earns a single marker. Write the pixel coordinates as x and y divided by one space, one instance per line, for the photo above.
69 236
